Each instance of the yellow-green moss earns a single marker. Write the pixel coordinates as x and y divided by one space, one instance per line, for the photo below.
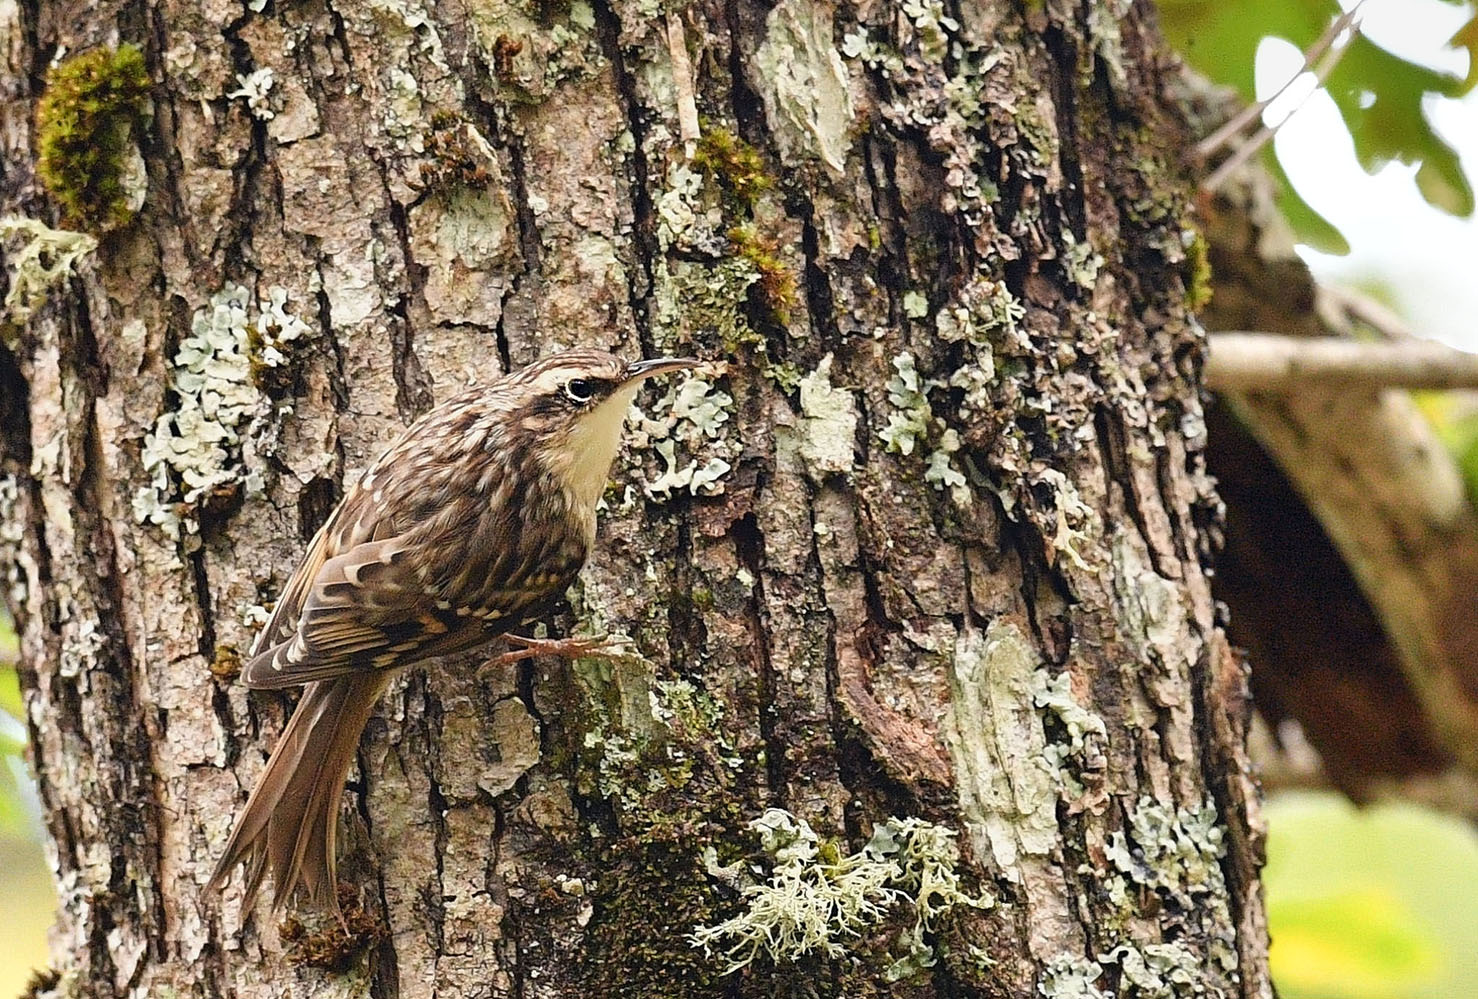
1198 273
93 104
734 163
776 284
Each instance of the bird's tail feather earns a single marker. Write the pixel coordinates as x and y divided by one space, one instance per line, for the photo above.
290 820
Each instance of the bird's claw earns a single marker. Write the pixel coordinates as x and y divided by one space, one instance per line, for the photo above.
561 648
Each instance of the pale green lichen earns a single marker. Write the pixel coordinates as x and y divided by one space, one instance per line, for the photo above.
984 310
573 46
908 392
932 28
196 448
1171 849
1082 261
941 471
1071 976
1177 853
829 424
696 412
913 421
1076 521
975 379
45 259
817 901
1086 732
1158 971
1008 791
804 85
681 213
1055 694
915 304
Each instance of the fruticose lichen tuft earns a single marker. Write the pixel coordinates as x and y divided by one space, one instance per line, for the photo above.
817 901
44 261
256 89
85 125
195 449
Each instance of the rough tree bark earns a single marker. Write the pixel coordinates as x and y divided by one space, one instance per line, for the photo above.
931 548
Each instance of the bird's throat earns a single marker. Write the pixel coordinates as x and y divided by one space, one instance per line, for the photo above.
584 462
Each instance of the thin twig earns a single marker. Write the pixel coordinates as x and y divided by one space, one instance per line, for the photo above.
1328 56
1248 114
682 79
1268 363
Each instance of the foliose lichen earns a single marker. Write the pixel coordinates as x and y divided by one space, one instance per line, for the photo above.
695 414
1169 848
911 416
93 105
819 901
1158 971
1071 976
195 449
46 259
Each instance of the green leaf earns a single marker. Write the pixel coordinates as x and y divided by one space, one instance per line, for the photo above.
1467 38
10 694
1379 95
1309 226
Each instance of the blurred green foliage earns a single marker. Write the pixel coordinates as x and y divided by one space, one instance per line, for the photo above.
14 818
26 894
1380 96
1370 904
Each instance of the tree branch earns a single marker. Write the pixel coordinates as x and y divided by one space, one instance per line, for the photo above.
1265 362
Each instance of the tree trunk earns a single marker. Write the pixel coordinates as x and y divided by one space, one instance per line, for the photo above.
924 568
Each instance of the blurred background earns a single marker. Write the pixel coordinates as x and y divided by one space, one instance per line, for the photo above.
1373 902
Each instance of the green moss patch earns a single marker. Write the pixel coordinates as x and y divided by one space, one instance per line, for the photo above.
85 122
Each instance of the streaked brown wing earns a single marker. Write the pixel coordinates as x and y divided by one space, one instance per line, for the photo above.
284 619
366 609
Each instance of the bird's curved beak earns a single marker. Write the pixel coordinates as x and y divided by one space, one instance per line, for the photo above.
637 370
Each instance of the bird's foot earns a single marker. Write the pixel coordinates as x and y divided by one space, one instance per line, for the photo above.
603 647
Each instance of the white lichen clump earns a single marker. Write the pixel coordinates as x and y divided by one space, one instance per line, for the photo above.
256 89
696 413
46 259
813 904
195 449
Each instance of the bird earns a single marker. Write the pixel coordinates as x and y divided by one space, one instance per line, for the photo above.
474 521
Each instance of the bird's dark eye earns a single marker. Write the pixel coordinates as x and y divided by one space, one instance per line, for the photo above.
579 390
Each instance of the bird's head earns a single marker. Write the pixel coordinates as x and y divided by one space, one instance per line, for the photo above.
573 406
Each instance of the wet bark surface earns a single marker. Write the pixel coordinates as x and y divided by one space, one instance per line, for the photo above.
929 546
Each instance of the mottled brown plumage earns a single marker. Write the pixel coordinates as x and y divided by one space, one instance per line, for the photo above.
476 519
